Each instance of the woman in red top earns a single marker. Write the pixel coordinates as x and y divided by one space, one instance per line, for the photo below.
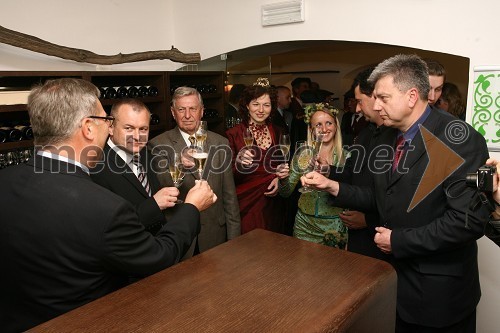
255 166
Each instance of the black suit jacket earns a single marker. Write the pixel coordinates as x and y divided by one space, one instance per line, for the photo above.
117 176
434 251
66 241
362 240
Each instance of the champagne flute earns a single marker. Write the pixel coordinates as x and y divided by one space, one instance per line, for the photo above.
201 134
317 137
307 159
305 162
176 172
285 145
200 156
248 137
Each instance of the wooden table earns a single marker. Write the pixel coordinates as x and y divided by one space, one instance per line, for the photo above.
259 282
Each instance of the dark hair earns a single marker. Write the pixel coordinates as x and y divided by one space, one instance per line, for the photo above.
452 95
297 81
349 93
361 80
235 92
435 68
309 96
253 92
136 105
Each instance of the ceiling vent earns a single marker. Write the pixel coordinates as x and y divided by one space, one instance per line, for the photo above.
283 13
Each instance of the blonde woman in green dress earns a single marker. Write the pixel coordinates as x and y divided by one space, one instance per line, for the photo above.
316 220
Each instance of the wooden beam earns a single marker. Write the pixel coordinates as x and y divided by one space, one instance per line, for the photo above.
35 44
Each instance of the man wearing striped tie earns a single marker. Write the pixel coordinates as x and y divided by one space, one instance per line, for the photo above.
126 169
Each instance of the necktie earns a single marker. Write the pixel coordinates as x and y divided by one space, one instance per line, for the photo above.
400 144
141 174
192 139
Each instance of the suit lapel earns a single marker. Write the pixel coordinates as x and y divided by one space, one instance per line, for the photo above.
417 149
117 163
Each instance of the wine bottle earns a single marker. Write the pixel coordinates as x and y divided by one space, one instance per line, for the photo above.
152 91
122 92
143 91
12 134
110 93
133 92
102 92
3 136
26 131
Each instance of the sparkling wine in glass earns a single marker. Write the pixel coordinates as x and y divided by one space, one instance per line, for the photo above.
201 134
285 145
248 137
317 137
176 172
305 162
201 157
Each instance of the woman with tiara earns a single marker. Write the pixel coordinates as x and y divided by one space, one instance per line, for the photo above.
256 157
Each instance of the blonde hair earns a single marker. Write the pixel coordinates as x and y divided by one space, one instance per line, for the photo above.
335 150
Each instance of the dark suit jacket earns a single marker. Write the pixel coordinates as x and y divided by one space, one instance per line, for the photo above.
117 176
221 221
362 240
435 252
66 241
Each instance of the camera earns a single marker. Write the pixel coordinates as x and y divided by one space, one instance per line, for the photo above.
482 179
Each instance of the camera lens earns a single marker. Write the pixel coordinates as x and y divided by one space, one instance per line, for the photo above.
471 180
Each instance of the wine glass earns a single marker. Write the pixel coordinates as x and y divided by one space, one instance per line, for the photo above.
317 137
285 145
201 156
305 162
176 172
201 134
248 137
308 156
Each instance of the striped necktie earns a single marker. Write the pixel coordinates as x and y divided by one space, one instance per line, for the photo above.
141 174
398 153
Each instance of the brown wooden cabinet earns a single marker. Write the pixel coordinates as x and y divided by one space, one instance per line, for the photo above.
210 84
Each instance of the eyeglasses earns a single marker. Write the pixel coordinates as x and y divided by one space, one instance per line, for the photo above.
108 119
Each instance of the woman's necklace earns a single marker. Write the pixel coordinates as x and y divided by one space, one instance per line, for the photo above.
261 135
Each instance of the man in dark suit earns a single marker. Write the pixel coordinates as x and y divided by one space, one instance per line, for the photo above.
66 241
221 222
125 157
283 118
430 226
361 224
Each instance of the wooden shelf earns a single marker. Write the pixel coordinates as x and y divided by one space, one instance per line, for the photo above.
16 145
13 108
145 100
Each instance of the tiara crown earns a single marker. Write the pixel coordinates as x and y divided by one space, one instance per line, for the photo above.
263 82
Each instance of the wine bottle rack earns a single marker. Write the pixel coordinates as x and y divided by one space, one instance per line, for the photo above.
158 84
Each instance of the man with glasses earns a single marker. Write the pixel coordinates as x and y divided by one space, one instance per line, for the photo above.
221 222
66 241
127 166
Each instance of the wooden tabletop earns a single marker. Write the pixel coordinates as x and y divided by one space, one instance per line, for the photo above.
258 282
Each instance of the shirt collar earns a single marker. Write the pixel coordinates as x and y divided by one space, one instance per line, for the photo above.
120 152
412 131
48 154
185 136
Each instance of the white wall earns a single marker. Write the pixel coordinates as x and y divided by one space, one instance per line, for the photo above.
218 26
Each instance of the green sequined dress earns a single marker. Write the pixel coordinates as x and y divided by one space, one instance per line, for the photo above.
316 221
